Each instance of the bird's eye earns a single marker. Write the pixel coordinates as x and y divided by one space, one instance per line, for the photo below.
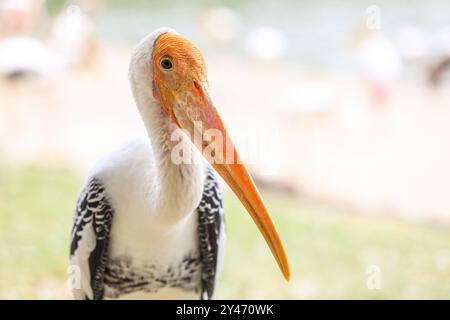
166 63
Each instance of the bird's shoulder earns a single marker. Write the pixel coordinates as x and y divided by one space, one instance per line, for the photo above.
132 155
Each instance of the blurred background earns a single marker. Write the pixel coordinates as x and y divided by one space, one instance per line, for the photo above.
341 108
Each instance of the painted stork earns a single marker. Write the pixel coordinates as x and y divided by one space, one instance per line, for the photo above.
146 226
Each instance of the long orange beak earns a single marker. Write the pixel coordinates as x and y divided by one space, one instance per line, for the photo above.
195 112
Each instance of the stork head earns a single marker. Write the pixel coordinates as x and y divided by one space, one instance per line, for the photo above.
179 86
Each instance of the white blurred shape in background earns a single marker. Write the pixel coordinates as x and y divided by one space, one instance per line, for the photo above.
72 40
266 43
380 63
20 53
412 43
25 55
73 35
379 59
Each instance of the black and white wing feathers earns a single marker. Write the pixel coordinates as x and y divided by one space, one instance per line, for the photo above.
211 232
90 239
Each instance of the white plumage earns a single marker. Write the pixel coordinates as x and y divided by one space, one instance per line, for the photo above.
154 200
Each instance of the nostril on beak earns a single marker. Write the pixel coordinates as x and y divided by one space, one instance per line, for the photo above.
198 87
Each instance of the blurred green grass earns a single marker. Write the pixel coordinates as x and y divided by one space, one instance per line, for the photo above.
330 249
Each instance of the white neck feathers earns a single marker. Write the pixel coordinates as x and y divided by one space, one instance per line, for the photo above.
180 186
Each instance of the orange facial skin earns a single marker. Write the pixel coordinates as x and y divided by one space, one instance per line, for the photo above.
180 84
188 71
